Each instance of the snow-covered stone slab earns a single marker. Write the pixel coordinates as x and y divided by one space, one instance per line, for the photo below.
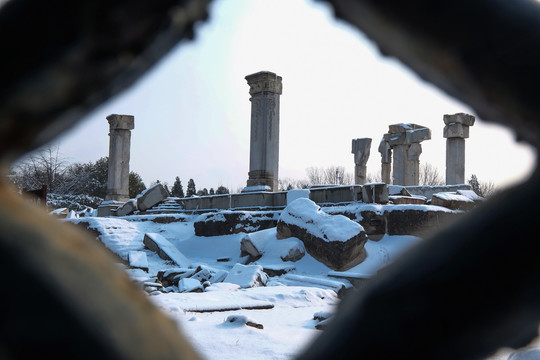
471 195
137 259
336 241
339 286
151 196
128 208
190 285
165 249
172 276
247 276
453 201
278 269
265 242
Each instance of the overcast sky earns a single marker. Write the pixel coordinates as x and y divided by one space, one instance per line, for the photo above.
192 111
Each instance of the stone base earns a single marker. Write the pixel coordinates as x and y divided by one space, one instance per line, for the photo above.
108 208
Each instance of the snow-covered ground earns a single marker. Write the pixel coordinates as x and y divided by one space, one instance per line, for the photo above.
289 302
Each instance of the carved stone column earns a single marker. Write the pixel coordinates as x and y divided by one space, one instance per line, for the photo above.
386 161
405 142
361 149
265 88
120 127
455 132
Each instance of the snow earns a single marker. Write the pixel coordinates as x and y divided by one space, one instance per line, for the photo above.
452 197
471 195
138 259
286 307
307 215
247 276
168 248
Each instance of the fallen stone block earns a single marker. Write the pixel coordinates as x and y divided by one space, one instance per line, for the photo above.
401 200
247 276
234 222
137 259
190 285
278 269
128 208
452 201
172 276
265 242
151 197
471 195
334 240
294 253
418 220
248 248
165 249
339 286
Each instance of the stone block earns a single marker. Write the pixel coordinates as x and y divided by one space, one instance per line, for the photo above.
375 193
361 150
234 222
459 118
418 135
452 201
152 196
401 200
165 249
336 241
138 259
128 208
189 285
248 248
456 130
247 276
415 221
172 276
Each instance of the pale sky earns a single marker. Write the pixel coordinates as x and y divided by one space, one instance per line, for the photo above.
192 111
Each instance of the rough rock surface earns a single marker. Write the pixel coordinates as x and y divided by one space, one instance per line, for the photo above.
234 222
336 241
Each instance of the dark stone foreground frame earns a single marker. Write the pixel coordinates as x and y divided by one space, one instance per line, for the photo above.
465 292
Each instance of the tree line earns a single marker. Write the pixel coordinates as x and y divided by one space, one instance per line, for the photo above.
177 189
48 167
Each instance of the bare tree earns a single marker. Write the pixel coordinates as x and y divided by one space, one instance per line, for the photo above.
430 175
374 177
329 175
46 166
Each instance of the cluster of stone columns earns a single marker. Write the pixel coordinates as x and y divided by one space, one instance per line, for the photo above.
265 89
402 142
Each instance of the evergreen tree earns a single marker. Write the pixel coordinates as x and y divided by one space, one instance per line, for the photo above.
475 184
136 184
177 189
222 190
212 192
191 189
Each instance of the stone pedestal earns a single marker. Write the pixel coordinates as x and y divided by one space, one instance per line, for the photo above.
455 132
386 161
265 88
120 127
361 149
404 139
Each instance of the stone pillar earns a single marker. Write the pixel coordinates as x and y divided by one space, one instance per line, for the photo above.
404 139
265 88
386 161
361 149
120 127
455 132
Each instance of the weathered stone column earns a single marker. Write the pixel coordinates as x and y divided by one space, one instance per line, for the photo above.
265 88
120 127
455 132
386 161
361 149
405 142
